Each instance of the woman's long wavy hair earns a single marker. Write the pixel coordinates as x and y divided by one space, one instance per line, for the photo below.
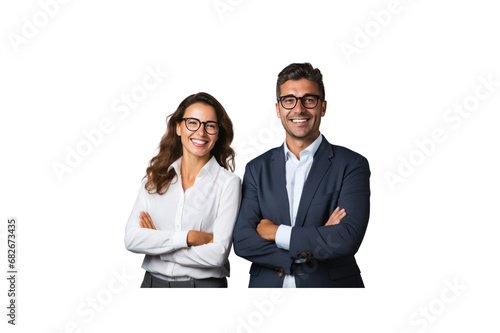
158 176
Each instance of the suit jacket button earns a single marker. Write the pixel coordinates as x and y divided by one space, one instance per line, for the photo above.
304 254
281 272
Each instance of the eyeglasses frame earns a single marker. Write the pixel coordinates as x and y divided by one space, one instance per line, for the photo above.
201 123
280 100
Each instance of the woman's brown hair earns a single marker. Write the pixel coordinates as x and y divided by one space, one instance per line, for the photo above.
158 176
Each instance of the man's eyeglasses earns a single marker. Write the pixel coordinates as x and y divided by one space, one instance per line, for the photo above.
308 101
193 124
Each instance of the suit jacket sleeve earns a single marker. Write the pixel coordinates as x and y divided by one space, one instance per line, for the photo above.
330 242
247 242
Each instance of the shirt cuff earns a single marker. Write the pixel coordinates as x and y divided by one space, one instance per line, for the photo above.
180 239
283 235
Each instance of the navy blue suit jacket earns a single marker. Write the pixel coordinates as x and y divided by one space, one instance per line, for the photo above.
338 177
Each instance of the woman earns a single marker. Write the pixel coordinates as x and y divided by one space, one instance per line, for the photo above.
186 209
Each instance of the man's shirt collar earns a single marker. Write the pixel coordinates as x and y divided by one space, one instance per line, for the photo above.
311 149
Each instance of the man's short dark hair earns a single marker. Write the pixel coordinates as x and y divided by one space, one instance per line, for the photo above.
300 71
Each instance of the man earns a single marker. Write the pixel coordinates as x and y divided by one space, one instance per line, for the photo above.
305 205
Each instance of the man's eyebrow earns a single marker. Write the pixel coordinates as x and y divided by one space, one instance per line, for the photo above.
306 94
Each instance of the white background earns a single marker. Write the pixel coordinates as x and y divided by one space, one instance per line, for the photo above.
435 228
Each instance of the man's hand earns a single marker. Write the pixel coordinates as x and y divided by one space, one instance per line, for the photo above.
145 221
267 229
337 215
195 238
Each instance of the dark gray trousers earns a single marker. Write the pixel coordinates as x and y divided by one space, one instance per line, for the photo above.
153 282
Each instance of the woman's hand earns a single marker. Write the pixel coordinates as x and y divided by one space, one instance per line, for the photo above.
145 221
337 216
195 238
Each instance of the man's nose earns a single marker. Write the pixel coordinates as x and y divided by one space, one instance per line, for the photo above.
299 106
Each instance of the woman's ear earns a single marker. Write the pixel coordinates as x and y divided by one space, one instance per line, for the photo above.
178 129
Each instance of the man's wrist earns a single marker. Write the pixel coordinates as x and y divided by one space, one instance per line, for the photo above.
274 229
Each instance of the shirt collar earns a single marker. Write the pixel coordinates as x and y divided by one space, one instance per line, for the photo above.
209 168
311 149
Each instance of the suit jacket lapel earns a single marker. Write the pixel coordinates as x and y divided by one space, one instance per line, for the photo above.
320 166
278 186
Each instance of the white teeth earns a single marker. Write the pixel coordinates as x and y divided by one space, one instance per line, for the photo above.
199 141
299 120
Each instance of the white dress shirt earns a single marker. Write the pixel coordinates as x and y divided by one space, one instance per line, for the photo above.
296 175
211 205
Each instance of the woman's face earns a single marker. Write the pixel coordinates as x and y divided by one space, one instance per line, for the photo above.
198 143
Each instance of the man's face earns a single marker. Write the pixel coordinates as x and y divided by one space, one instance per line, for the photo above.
300 123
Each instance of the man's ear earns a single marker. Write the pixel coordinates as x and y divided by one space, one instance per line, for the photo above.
278 110
323 107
